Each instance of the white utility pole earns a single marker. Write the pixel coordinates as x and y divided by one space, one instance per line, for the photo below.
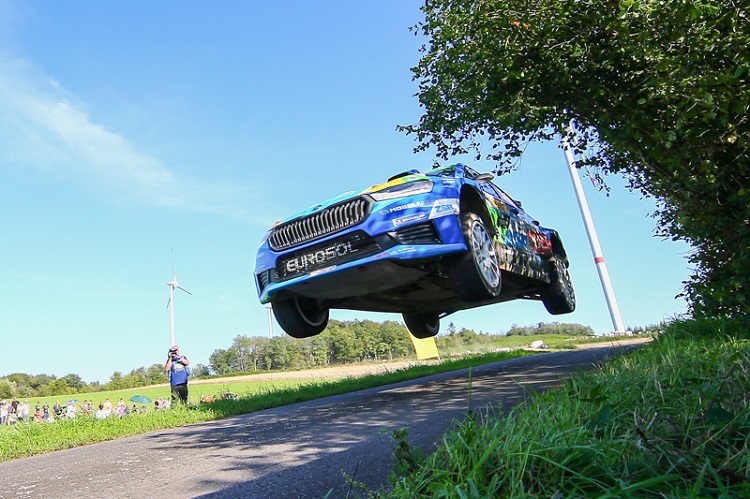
269 307
596 249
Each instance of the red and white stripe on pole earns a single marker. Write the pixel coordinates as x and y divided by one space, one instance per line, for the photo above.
596 249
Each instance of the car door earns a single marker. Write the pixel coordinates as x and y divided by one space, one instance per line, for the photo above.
513 228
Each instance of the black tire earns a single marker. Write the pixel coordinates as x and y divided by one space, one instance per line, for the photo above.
558 296
300 317
422 325
476 273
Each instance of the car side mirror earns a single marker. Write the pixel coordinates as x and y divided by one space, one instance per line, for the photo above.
484 177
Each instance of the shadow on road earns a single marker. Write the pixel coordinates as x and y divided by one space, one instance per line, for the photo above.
302 450
348 435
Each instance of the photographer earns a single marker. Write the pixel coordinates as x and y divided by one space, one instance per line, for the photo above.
178 371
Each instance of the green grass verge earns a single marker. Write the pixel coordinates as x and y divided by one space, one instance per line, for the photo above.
670 420
26 439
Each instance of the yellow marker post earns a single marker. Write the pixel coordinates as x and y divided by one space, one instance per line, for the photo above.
426 347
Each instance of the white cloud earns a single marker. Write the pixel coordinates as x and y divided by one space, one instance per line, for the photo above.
41 128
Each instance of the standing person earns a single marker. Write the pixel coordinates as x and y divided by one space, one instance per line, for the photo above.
176 366
57 409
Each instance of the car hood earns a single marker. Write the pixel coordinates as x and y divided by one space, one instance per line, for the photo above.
353 194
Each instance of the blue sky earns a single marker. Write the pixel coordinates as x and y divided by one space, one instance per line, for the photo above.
131 129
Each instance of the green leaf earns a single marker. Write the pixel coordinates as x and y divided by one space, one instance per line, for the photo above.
718 416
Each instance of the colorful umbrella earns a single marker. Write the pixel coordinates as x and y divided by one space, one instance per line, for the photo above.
140 399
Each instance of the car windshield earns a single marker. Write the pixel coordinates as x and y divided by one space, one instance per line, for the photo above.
443 171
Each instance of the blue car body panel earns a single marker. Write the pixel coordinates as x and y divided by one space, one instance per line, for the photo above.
385 248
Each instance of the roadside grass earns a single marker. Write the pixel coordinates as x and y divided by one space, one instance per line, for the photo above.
670 420
219 386
30 438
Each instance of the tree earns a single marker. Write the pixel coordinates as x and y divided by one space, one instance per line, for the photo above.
344 346
221 361
137 377
117 381
75 382
320 348
21 384
451 329
655 90
155 374
277 354
58 387
201 370
395 335
367 334
468 335
6 389
39 383
248 352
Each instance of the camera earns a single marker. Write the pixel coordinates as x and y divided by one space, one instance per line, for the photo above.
172 351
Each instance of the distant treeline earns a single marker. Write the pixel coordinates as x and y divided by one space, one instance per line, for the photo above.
343 342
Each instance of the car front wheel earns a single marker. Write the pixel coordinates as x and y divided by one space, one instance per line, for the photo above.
558 297
422 326
476 273
300 317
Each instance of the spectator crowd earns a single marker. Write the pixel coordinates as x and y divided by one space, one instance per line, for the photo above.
16 411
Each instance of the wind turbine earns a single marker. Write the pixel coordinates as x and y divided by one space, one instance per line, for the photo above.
173 284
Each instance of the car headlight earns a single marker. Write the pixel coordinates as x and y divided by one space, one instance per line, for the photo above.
403 190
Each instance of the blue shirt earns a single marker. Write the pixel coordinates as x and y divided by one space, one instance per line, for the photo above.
178 373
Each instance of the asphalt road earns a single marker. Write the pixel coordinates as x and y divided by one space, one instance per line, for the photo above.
304 450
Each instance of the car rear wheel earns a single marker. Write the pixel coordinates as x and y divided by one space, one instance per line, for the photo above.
476 273
558 297
300 317
422 325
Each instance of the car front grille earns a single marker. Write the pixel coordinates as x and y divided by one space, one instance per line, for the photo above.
323 223
343 249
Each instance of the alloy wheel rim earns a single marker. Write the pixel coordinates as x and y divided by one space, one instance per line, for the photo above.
484 254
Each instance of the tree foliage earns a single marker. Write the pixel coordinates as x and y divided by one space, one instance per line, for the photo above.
341 342
575 330
656 89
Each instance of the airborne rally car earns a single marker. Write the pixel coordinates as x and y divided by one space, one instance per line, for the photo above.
424 245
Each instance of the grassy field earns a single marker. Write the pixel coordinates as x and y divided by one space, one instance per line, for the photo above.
216 388
29 438
670 420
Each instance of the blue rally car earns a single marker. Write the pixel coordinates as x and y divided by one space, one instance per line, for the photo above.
424 245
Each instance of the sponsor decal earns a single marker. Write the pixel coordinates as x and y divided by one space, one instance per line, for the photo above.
322 271
405 249
301 263
409 218
501 235
540 243
493 202
515 239
515 235
415 204
395 209
443 207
